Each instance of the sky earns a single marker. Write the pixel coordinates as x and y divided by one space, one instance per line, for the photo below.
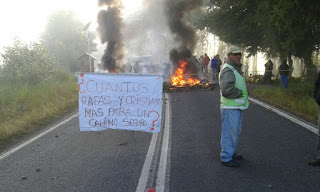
26 19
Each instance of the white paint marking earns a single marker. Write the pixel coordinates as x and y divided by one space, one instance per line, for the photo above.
147 164
291 118
35 138
161 178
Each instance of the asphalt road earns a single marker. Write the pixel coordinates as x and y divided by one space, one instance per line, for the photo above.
275 151
66 159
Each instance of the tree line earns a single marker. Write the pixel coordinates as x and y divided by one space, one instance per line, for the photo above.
280 28
61 42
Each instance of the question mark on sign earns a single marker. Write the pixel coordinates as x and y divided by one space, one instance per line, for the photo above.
152 128
81 75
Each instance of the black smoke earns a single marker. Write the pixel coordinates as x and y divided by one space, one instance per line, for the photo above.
184 34
110 31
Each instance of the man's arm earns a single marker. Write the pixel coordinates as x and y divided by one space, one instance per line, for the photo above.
227 82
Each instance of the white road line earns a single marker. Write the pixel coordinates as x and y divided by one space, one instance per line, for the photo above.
147 164
35 138
161 177
290 117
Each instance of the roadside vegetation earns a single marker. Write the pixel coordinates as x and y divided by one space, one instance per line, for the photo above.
25 107
37 81
276 29
279 33
34 90
297 98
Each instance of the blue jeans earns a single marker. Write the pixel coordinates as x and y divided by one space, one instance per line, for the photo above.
284 80
231 129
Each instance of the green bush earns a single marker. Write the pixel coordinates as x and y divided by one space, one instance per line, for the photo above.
29 64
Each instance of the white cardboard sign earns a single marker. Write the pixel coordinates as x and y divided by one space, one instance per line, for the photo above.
120 101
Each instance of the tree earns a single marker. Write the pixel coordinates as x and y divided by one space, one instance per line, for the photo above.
301 27
64 37
28 62
232 21
202 42
277 27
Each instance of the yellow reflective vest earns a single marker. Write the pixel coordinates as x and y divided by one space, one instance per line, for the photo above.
236 103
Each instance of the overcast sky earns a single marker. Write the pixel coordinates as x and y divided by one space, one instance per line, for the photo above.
27 18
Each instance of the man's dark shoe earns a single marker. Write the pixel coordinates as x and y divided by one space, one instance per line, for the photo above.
315 162
231 163
236 157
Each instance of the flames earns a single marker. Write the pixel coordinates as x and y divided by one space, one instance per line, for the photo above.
179 80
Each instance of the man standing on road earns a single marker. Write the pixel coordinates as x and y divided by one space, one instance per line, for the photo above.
214 62
205 63
219 63
316 95
234 99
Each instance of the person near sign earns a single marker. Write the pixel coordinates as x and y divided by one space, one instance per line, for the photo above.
234 100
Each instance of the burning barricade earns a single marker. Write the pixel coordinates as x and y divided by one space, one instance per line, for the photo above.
183 80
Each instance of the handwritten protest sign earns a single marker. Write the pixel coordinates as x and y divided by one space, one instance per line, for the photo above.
120 101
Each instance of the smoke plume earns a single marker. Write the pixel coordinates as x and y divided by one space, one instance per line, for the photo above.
147 34
184 34
110 31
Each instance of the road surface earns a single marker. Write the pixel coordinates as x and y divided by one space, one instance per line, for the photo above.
184 156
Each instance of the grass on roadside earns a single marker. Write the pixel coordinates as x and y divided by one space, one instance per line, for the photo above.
297 98
25 107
